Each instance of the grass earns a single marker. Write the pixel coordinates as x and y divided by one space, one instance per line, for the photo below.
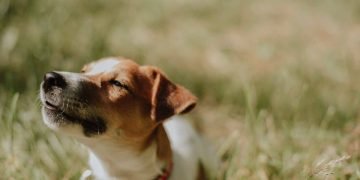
277 80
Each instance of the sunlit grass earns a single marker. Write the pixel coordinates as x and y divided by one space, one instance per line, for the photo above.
277 80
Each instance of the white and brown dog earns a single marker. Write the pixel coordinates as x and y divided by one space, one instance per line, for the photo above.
118 109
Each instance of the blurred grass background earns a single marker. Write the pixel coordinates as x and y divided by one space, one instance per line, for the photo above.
278 81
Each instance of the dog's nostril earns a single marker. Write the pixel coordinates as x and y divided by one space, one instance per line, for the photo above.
54 79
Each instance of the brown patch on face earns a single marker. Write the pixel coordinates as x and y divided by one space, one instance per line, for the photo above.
121 97
134 100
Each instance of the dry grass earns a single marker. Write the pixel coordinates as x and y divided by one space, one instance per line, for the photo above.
277 80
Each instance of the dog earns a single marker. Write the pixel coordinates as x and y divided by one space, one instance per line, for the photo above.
127 116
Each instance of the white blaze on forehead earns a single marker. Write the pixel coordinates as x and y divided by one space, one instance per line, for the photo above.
103 65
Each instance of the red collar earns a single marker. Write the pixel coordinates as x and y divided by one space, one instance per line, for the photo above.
165 172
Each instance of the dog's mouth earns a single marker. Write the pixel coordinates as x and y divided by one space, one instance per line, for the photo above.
50 106
60 115
93 125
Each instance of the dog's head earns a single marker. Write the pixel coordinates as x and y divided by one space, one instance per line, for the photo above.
112 95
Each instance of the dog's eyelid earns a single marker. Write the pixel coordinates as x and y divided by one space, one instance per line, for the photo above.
120 84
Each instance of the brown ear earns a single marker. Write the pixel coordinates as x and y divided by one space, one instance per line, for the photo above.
167 98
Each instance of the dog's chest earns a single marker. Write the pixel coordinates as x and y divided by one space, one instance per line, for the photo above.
119 162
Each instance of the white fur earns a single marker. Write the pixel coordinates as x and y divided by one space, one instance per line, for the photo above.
103 66
189 149
111 160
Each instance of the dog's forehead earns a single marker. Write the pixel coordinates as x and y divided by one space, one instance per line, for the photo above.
108 65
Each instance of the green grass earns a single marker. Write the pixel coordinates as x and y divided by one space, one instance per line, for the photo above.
278 81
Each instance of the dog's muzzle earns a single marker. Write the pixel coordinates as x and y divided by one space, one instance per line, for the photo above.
65 101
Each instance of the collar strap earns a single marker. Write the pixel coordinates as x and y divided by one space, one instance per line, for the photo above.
165 172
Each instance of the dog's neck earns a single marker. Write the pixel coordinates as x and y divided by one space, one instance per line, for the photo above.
118 158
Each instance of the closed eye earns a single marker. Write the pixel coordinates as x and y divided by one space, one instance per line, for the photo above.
119 84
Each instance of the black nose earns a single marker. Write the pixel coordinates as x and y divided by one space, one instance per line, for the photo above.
53 79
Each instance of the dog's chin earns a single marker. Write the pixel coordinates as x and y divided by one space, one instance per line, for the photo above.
58 122
54 118
62 122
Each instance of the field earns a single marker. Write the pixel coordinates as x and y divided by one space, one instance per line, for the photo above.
278 81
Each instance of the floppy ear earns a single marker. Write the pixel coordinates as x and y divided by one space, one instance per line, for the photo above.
167 98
